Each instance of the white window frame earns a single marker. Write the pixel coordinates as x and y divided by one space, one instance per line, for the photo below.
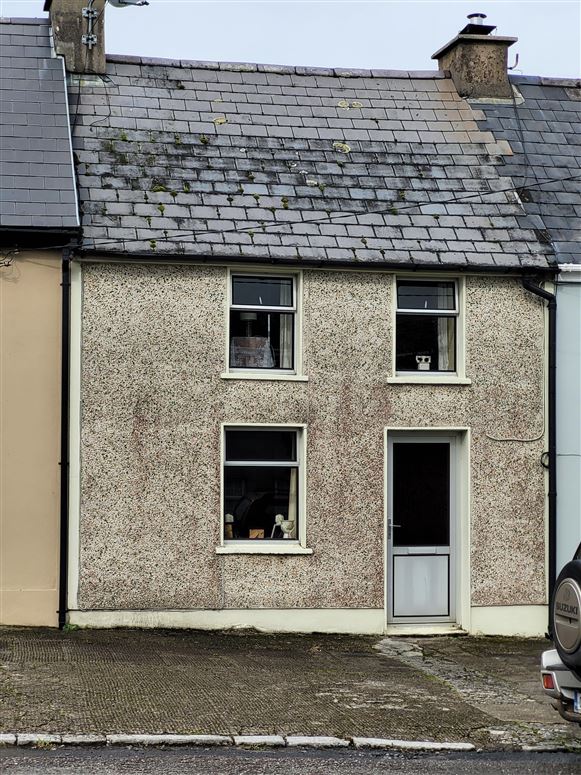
457 377
265 545
295 374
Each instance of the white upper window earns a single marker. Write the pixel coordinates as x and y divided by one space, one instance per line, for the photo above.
263 326
427 329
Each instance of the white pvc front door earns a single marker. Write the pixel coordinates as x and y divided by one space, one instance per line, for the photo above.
421 527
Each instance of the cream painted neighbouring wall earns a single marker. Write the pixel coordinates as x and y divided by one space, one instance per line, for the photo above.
153 349
30 348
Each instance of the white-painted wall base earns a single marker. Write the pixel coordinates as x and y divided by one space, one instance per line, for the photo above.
529 621
369 621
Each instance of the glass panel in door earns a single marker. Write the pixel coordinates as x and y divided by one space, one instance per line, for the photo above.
419 529
421 494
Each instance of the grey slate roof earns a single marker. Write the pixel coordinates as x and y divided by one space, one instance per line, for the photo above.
37 185
278 163
544 132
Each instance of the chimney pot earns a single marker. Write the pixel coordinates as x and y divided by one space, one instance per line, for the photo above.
476 25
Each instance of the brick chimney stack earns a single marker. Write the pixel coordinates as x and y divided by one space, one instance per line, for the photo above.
477 60
78 28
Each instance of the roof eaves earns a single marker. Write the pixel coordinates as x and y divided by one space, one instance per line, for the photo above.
40 238
95 252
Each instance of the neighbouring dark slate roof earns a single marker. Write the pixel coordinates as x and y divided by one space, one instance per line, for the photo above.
544 132
37 184
266 162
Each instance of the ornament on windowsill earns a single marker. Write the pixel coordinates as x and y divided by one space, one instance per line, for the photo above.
277 527
288 528
228 527
423 362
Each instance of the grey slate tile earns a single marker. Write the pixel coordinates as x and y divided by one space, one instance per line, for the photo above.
363 183
33 119
550 149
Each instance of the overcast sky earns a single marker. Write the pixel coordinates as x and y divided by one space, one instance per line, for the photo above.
392 34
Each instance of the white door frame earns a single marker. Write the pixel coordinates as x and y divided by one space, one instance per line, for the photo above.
461 581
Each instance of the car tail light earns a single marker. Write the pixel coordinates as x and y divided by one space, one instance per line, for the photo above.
548 682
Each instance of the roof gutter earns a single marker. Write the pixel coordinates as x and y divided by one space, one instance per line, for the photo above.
42 238
552 418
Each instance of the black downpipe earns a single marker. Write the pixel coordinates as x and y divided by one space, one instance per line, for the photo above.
64 461
552 419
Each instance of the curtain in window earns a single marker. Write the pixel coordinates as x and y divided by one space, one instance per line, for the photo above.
286 328
292 501
445 333
445 344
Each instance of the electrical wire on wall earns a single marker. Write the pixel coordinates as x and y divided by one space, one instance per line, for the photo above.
529 167
7 257
543 409
91 22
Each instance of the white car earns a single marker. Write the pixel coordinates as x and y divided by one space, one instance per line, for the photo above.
561 666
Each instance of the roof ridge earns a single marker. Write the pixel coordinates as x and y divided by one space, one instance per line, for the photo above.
560 81
250 67
24 20
545 80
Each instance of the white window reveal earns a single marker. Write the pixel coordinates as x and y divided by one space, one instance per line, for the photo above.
426 327
261 485
263 323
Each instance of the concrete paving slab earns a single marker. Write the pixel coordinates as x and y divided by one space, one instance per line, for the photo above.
410 745
298 741
201 740
36 738
158 740
83 740
268 741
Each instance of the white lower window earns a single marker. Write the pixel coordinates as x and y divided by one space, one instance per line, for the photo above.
262 481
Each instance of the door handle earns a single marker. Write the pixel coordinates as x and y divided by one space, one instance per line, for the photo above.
390 526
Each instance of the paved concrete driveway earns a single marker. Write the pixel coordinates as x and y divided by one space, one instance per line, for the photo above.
485 691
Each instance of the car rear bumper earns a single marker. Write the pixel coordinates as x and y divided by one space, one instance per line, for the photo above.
561 685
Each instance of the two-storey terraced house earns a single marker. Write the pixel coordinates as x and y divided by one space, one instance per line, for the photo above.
308 378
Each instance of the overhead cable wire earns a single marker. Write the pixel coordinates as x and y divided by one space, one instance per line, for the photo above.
264 227
391 210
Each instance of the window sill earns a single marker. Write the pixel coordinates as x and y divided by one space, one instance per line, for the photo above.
273 376
255 548
435 379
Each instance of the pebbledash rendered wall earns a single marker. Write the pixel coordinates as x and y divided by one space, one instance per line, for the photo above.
153 348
